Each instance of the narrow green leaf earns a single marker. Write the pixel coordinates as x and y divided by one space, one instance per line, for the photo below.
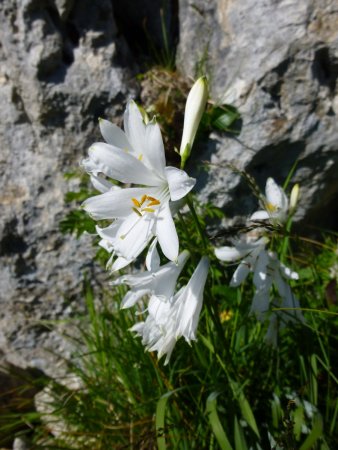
159 420
315 434
240 442
216 426
207 343
299 421
244 406
276 411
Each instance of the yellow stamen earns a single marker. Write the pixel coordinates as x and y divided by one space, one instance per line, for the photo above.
154 202
270 207
137 212
148 210
152 199
143 199
140 157
136 203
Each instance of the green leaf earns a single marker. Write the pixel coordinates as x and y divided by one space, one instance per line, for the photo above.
240 442
299 421
245 407
216 426
159 420
316 433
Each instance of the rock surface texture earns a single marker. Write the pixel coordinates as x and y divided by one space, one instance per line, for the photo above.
277 62
61 68
64 63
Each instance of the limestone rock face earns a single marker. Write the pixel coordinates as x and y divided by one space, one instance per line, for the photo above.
61 67
277 62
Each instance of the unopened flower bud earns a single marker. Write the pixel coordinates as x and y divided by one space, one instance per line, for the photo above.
294 197
194 109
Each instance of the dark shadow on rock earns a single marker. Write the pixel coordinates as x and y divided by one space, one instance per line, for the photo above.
146 24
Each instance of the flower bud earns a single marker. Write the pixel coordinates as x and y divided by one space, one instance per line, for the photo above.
294 197
194 109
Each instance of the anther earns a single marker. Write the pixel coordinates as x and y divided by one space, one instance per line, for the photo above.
136 203
137 211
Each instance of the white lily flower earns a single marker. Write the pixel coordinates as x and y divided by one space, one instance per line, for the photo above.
171 318
194 109
276 204
188 302
276 274
160 282
252 255
267 271
135 156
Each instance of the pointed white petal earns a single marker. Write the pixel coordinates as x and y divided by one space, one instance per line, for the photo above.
153 258
240 274
275 195
120 165
154 149
101 184
113 135
166 233
135 128
189 304
113 204
179 182
120 263
132 297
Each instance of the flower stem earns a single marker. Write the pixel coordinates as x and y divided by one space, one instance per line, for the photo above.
199 228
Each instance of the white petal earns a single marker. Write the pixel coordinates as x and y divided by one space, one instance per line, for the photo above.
134 235
120 165
101 184
189 304
120 263
261 277
166 233
240 274
288 273
228 254
275 194
260 215
135 128
153 258
132 297
113 204
108 234
154 150
106 245
179 182
260 303
113 135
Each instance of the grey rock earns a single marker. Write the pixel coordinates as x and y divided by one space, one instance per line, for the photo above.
60 70
277 62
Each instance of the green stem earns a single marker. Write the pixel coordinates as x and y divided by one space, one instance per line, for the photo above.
197 221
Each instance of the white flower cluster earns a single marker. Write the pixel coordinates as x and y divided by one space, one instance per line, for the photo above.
267 270
139 194
143 215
